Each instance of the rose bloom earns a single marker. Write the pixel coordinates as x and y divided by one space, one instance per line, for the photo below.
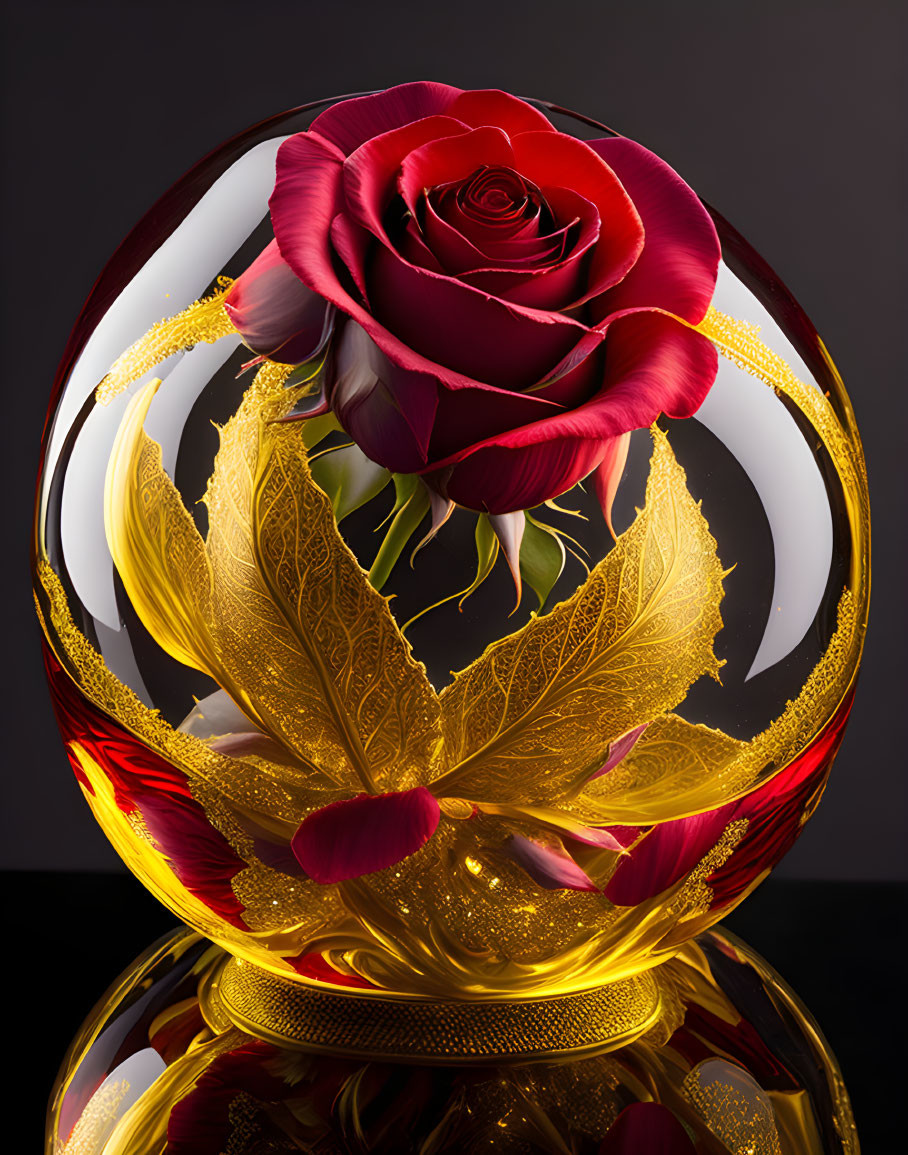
504 303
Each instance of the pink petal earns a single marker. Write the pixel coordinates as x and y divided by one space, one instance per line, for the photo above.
595 836
646 1129
276 314
619 749
680 259
364 834
551 869
350 123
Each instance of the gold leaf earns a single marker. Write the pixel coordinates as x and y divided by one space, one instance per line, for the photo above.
155 544
273 605
534 715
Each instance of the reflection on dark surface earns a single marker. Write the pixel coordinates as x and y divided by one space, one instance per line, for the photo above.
839 945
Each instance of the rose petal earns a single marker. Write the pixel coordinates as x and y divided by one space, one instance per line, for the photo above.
665 855
605 484
553 870
680 259
276 314
370 174
307 197
497 479
350 123
653 364
649 1128
492 106
447 159
463 329
364 834
619 749
387 411
539 155
145 783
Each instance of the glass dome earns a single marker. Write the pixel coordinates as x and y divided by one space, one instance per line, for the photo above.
640 724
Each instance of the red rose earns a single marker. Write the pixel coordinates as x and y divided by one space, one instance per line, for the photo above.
510 300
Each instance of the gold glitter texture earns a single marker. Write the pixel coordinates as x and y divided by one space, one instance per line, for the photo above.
205 321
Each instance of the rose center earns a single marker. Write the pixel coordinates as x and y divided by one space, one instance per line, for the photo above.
497 194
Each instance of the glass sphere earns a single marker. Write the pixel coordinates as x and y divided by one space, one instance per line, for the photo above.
699 664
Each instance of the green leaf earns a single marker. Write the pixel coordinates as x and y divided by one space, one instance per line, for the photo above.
349 478
542 558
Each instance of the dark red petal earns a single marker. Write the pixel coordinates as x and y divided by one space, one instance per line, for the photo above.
463 329
450 159
351 243
275 313
350 123
551 868
500 480
549 289
459 253
388 411
305 201
646 1129
466 416
665 855
364 834
678 266
371 173
542 156
654 364
492 106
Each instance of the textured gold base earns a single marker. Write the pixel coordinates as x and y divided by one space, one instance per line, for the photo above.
372 1025
192 1052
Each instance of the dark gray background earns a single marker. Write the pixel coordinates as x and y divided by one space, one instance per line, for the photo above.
786 115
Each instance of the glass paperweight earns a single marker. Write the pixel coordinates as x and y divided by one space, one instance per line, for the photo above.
452 554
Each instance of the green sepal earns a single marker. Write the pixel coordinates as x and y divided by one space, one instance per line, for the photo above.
348 477
542 558
410 507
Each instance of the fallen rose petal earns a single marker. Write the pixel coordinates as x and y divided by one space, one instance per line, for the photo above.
364 834
646 1129
619 749
553 870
